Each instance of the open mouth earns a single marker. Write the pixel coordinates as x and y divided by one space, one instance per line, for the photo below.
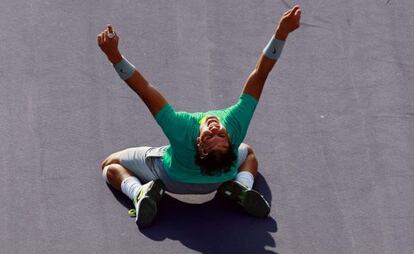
212 120
212 123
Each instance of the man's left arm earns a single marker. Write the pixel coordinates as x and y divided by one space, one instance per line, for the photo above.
256 80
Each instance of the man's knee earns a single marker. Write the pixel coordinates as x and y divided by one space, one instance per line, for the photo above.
111 159
250 163
114 172
250 153
111 171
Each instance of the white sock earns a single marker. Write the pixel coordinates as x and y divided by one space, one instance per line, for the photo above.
130 186
246 178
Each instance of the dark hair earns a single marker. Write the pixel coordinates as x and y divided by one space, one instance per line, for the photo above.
216 162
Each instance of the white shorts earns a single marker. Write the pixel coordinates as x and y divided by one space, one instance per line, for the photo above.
145 162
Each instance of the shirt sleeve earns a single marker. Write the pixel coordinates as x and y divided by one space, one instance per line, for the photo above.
239 116
179 127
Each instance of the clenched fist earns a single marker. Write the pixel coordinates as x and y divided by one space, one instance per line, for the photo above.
288 23
108 42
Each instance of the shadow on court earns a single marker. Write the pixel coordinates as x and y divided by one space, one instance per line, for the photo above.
216 226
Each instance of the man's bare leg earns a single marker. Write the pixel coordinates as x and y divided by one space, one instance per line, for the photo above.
144 196
249 169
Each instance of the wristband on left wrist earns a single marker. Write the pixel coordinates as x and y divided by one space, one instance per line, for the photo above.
274 48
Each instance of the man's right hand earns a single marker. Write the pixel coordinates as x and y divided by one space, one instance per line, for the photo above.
108 42
289 22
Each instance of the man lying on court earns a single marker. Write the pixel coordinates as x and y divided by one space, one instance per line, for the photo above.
206 152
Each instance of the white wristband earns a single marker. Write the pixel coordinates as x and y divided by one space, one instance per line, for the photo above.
124 69
274 48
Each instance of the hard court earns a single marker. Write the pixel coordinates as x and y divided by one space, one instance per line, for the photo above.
333 131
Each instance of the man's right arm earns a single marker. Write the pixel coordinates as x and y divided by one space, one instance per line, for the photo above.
147 92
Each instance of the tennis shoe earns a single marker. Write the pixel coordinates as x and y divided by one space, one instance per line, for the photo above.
146 203
251 201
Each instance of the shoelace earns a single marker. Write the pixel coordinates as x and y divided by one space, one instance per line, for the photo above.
132 212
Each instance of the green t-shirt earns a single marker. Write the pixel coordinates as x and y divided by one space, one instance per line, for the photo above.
182 130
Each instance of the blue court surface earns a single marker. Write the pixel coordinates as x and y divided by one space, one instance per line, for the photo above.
333 131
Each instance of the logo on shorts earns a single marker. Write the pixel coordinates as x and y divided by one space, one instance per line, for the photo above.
274 50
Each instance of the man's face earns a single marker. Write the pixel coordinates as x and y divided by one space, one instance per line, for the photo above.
213 136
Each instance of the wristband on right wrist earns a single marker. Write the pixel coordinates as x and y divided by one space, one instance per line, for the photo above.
274 48
124 69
